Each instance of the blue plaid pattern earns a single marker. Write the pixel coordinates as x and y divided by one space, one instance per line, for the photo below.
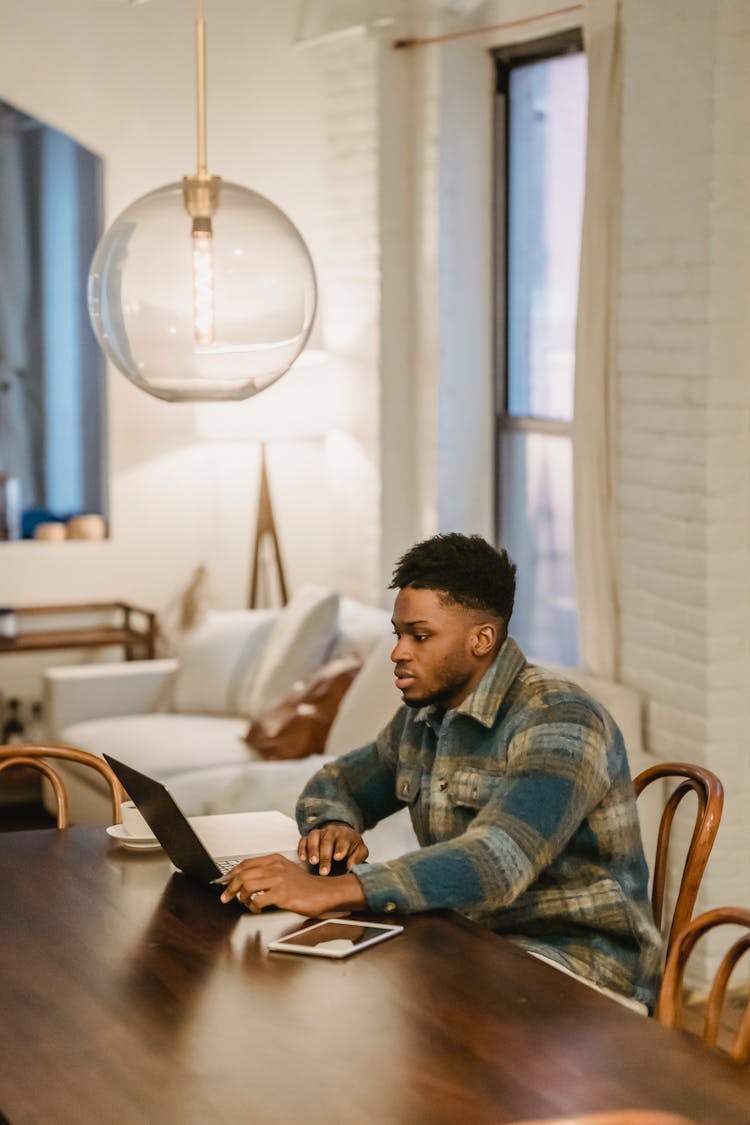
522 801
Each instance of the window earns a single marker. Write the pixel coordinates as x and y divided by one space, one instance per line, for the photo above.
53 441
541 103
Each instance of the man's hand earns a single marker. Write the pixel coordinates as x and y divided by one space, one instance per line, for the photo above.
335 840
272 880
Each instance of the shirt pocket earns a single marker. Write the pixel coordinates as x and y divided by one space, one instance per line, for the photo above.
473 788
408 782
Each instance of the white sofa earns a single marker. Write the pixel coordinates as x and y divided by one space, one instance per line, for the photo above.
183 720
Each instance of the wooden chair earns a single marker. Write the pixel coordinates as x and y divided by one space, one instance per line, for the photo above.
710 793
670 1002
34 757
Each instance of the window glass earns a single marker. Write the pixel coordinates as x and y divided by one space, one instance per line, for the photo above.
546 165
536 528
53 433
541 156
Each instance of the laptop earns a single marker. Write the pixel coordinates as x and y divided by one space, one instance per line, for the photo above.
174 831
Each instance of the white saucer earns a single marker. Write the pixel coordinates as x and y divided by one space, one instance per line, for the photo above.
137 843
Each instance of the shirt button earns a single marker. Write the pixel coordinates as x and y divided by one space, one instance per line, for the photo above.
442 784
310 819
405 789
389 907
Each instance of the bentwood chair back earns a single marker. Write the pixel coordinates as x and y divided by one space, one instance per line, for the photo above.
710 794
670 1003
36 757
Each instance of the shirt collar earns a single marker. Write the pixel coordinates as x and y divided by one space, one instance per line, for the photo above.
484 701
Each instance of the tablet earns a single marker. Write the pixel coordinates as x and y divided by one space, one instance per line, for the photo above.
339 938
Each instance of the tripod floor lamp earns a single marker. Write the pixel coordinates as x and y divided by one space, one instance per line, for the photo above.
266 534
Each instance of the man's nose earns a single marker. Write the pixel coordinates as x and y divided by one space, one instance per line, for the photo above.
399 650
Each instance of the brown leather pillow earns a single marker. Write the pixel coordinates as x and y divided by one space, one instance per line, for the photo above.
299 725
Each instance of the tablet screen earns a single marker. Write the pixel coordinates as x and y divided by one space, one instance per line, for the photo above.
336 938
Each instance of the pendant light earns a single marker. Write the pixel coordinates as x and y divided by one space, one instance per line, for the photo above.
202 290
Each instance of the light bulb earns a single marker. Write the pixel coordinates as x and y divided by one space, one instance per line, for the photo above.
204 298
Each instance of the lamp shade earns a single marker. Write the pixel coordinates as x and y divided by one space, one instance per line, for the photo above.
151 294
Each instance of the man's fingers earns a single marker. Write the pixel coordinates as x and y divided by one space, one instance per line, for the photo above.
333 841
251 876
235 880
309 846
358 854
313 846
257 901
327 847
240 887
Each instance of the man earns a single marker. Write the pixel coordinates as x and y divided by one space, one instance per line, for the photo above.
517 784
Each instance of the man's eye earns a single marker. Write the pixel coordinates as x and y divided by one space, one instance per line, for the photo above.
421 637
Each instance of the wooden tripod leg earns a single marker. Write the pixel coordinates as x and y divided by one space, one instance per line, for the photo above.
265 525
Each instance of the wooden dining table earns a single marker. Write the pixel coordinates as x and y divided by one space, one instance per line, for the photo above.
130 995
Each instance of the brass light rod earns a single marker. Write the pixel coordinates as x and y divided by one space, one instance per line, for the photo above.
200 61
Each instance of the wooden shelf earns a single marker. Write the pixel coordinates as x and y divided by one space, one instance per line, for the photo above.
134 630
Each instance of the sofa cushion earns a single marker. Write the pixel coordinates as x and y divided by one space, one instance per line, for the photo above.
250 788
369 704
299 725
360 628
164 744
217 658
301 639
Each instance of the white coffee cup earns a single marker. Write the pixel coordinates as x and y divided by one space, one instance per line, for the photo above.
132 820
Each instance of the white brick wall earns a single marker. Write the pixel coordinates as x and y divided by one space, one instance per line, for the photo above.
684 399
367 287
350 278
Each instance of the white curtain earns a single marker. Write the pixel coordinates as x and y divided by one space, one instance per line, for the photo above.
595 387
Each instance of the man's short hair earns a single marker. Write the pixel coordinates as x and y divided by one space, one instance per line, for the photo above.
466 568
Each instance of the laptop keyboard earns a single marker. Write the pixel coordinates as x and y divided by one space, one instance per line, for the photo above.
228 862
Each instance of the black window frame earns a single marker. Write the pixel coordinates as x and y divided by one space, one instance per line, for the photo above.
506 60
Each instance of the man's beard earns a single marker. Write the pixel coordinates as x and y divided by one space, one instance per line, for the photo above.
434 698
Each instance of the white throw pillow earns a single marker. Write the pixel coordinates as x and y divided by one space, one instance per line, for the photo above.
302 637
215 657
360 628
369 704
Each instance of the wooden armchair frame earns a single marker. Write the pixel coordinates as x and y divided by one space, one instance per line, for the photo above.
710 793
670 1003
34 757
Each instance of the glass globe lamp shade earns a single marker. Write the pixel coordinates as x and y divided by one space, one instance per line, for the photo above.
220 314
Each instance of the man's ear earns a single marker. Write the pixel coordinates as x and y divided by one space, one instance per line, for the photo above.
484 639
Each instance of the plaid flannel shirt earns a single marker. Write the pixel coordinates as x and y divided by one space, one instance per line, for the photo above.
522 802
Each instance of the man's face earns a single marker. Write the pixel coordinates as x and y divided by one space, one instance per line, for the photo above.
435 652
